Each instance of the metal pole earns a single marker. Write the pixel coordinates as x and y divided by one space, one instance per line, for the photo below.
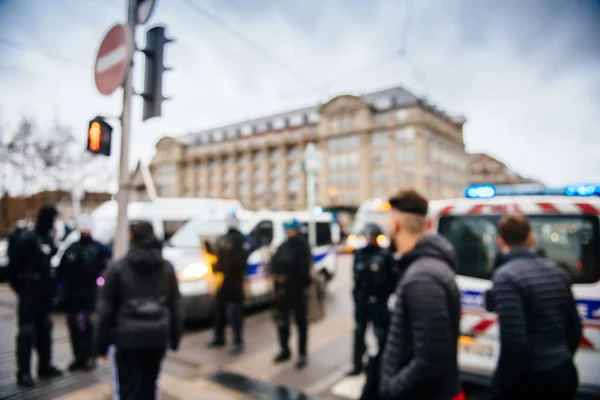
311 203
122 235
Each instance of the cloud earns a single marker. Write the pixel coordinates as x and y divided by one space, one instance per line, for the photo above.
526 74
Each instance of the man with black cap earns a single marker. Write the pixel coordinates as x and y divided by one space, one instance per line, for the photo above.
291 267
33 283
232 255
79 270
420 356
139 312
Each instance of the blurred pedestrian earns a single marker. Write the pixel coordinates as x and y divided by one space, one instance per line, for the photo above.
374 282
540 328
420 356
291 269
32 281
80 268
139 312
232 257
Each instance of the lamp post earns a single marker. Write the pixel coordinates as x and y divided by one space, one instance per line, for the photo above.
312 163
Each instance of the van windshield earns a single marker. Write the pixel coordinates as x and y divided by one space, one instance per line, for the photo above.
570 241
191 234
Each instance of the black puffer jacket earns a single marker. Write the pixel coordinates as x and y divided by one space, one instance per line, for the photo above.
420 357
139 305
293 260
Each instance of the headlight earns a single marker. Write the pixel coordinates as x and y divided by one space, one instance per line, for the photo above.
354 243
193 272
383 241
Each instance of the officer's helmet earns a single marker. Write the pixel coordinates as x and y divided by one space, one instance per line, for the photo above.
371 231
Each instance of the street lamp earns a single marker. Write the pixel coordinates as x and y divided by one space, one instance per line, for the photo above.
312 163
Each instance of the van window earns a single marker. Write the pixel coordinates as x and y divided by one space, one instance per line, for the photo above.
262 233
324 237
570 241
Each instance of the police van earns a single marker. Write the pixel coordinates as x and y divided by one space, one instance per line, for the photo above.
566 222
566 225
189 250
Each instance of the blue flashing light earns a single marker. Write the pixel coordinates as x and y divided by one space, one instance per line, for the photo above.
487 191
582 190
480 191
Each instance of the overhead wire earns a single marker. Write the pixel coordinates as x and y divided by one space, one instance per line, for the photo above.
253 45
43 53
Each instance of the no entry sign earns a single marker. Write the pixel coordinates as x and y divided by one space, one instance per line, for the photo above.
113 59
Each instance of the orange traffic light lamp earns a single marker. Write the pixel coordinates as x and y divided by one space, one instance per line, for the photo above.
99 137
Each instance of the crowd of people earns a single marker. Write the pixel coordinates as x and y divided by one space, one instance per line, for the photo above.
137 310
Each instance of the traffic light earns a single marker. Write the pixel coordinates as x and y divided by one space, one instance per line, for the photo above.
154 51
99 137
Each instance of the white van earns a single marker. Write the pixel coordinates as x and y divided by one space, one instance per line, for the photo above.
186 252
566 223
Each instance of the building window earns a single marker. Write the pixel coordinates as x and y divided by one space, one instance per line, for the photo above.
257 172
380 157
380 138
279 123
293 152
383 103
379 176
256 155
293 185
406 176
231 133
211 162
405 154
294 168
247 130
401 114
274 154
217 136
405 135
313 117
343 143
241 188
381 118
297 120
258 188
275 185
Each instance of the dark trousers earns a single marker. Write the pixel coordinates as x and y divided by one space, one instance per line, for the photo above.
34 329
558 383
235 312
137 372
366 311
81 331
292 303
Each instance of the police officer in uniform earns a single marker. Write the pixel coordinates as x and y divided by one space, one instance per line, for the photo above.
374 282
291 268
34 286
232 254
79 270
20 228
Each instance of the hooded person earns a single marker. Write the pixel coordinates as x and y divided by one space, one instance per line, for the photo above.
80 268
33 283
139 313
419 360
232 256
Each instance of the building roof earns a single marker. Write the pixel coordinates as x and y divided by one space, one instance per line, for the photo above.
381 100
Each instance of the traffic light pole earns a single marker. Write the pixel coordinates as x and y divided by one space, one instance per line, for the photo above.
122 235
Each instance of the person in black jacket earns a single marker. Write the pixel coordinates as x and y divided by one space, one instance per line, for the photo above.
139 312
81 265
232 263
291 268
374 282
31 279
420 355
540 328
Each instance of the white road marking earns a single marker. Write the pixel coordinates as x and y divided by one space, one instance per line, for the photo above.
111 59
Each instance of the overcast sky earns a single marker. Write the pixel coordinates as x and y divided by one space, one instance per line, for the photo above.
526 74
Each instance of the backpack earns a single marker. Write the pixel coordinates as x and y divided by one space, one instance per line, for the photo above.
143 321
